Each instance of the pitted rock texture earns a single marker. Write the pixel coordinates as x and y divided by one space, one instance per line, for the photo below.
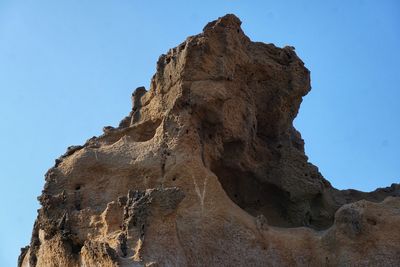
208 170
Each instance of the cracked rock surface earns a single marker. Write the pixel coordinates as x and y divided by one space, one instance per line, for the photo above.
208 170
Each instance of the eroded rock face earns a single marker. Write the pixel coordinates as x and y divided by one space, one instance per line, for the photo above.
208 170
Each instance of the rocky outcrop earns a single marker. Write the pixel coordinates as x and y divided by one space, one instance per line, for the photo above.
208 170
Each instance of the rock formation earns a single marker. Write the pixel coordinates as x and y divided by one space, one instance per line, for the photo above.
208 170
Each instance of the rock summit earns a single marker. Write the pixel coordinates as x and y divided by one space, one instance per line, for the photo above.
208 170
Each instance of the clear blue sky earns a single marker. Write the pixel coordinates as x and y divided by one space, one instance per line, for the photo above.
67 68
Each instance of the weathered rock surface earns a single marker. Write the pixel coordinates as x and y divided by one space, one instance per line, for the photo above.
208 170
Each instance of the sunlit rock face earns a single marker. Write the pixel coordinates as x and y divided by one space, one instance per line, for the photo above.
208 170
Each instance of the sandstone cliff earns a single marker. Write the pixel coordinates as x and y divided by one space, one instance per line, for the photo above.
208 170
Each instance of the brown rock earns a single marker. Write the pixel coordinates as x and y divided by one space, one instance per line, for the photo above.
208 170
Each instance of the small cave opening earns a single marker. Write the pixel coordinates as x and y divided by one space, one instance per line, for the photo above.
73 245
145 131
254 197
253 190
264 198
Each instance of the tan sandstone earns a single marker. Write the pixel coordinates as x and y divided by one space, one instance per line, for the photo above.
208 170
